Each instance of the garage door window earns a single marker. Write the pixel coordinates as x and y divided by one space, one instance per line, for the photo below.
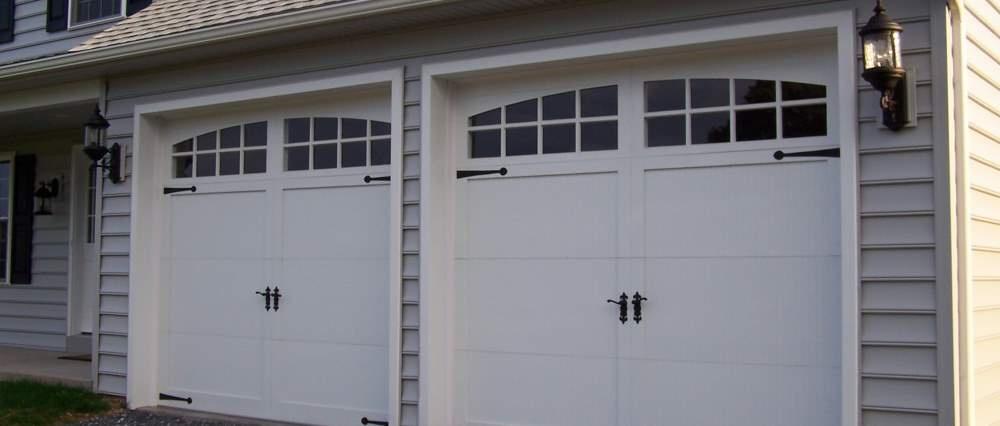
230 151
316 143
574 121
718 110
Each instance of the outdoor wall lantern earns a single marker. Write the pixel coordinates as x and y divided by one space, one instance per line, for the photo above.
45 193
883 64
93 138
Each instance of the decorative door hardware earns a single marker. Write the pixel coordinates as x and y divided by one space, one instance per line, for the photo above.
831 153
369 179
470 173
168 191
622 307
165 397
365 421
267 298
637 307
277 297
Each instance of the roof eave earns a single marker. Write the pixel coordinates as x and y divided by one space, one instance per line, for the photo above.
231 31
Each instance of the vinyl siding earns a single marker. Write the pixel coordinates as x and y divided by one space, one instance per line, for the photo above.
32 41
35 315
899 282
981 108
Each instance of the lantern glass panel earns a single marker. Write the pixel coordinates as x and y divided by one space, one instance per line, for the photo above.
92 135
881 50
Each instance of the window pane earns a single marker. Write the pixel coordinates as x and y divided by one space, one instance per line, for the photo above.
599 101
756 124
205 165
754 91
255 134
710 127
206 142
522 140
487 118
804 121
599 136
666 131
230 137
380 128
325 156
296 130
229 163
380 152
523 111
709 92
355 154
559 106
665 95
558 138
255 161
354 128
791 91
297 158
184 146
324 128
484 143
182 166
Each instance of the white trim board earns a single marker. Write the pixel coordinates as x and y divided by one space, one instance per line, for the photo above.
437 162
145 313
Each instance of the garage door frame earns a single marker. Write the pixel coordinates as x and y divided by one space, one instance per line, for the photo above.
437 285
147 179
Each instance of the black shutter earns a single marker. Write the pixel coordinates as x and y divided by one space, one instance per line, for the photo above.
134 6
6 21
58 15
22 219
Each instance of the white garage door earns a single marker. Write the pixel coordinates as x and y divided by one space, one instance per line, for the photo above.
307 228
656 182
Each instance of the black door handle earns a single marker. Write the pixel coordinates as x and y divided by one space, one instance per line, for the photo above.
365 421
637 307
622 307
267 298
277 297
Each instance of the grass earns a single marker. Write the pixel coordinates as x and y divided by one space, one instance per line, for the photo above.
28 403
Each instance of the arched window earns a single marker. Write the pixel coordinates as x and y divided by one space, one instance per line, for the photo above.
330 142
231 151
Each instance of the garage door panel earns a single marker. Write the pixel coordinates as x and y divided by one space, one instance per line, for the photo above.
219 226
539 306
347 383
542 216
708 394
775 209
222 290
226 371
339 301
337 222
516 389
783 311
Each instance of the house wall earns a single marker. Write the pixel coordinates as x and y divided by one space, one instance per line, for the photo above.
32 41
35 315
903 351
981 108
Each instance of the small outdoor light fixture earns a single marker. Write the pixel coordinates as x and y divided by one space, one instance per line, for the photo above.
93 138
883 64
46 191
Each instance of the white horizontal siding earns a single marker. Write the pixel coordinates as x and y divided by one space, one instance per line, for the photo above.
31 40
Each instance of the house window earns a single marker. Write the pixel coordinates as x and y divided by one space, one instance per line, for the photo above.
6 205
89 11
721 110
329 142
575 121
236 150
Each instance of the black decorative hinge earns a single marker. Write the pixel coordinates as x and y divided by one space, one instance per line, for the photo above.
831 153
168 191
369 179
470 173
365 421
165 397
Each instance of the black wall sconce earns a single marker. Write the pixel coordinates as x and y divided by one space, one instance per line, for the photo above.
94 131
883 67
45 193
